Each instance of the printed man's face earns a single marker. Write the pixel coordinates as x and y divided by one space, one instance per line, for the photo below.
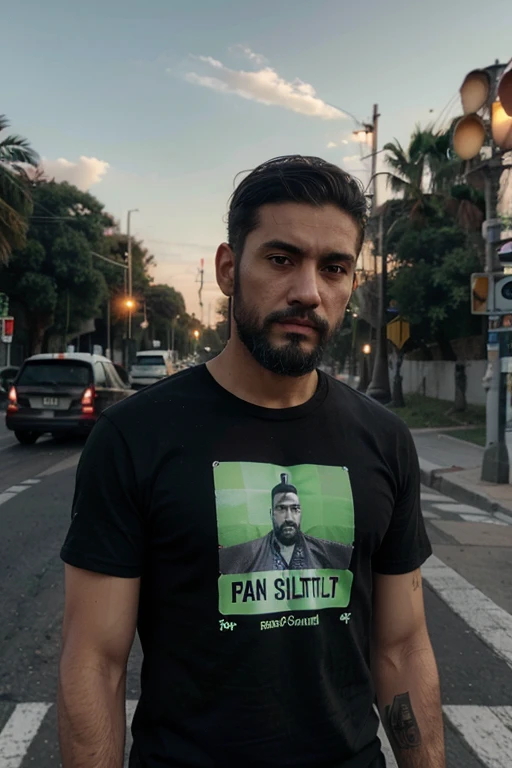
286 518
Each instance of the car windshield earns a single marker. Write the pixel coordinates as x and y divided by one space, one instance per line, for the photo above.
55 373
150 360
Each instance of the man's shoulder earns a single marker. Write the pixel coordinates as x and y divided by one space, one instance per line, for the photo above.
173 392
364 409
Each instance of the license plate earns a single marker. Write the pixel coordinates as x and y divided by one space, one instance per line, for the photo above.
51 402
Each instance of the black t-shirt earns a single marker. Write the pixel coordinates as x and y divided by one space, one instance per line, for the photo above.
268 666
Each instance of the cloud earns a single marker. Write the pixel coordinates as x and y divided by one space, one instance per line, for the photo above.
257 58
265 86
83 174
331 145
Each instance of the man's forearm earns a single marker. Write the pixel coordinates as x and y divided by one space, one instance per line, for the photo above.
409 701
92 720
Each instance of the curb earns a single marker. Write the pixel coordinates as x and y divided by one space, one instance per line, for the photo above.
432 476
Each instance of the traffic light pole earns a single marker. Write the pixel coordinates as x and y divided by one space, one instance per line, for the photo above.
495 464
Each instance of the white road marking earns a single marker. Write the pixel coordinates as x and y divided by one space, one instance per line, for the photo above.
6 497
68 463
434 497
430 515
17 488
504 517
485 732
491 623
19 731
481 519
30 482
459 509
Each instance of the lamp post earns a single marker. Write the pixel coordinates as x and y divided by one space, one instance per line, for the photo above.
130 268
173 333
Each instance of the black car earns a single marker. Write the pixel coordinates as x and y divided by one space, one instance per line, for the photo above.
62 394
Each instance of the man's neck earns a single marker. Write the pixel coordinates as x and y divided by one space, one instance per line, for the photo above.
236 370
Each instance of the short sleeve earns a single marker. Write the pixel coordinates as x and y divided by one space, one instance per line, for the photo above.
405 545
106 534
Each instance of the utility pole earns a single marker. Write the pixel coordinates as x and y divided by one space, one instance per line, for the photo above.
375 138
379 388
130 268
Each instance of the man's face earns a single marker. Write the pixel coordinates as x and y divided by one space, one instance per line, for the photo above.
286 517
293 283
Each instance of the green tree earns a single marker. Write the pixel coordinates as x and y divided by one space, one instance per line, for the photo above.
431 283
54 277
164 304
15 199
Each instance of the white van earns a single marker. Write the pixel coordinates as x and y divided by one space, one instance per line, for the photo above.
149 367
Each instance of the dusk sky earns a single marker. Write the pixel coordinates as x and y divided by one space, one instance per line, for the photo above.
158 105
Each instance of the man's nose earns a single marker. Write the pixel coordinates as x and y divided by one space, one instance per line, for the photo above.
304 287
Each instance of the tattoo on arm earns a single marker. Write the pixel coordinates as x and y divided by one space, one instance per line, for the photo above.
416 583
402 724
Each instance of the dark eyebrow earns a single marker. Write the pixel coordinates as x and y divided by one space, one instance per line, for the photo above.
295 250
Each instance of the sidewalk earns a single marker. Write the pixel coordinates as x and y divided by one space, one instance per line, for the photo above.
453 467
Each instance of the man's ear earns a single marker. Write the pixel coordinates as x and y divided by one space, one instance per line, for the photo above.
354 283
225 269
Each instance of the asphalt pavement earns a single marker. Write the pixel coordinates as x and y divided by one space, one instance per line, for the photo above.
467 594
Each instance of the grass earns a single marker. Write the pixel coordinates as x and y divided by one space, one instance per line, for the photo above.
474 435
423 412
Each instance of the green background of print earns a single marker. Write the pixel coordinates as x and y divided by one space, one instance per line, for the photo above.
271 604
243 498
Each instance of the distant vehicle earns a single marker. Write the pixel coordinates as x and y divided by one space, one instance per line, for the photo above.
62 394
150 367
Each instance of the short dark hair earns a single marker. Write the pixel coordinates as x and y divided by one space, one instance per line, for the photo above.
294 179
283 487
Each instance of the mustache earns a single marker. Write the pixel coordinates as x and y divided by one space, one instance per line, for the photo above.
318 323
288 525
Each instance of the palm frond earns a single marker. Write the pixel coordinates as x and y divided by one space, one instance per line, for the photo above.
15 149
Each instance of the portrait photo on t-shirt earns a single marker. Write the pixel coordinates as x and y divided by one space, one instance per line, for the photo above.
286 537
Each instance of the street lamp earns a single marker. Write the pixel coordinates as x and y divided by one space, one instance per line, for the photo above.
130 269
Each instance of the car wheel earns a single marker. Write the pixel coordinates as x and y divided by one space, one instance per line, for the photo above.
27 438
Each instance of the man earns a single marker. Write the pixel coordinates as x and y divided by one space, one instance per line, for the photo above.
285 547
142 549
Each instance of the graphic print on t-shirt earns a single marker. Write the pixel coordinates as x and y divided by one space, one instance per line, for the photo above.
286 537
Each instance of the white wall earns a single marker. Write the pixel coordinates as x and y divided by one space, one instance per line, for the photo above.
439 377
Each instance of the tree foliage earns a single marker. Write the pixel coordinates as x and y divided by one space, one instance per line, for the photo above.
15 198
54 277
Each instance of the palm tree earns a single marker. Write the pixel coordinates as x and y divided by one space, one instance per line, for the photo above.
15 200
427 176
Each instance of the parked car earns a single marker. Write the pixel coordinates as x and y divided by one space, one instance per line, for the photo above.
149 367
62 394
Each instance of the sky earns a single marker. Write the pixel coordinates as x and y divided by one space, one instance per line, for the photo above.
159 105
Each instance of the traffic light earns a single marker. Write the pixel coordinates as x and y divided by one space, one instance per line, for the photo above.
505 89
486 98
480 294
4 305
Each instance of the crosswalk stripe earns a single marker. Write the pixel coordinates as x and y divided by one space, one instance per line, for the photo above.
491 623
485 732
19 731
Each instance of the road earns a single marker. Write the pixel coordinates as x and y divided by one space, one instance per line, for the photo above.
467 593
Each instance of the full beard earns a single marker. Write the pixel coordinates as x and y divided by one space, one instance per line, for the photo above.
289 359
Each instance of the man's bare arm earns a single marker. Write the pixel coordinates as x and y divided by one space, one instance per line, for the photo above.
405 672
99 626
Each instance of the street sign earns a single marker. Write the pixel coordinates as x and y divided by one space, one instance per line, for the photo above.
7 329
398 332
